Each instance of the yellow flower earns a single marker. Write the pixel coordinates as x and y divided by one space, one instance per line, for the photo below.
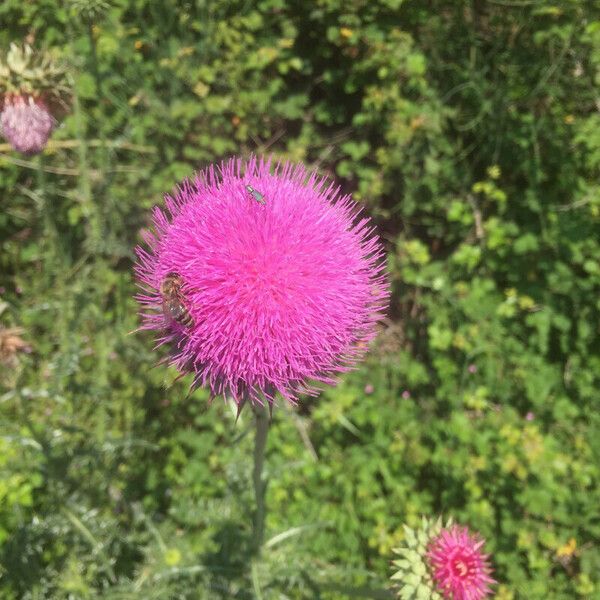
172 557
567 549
494 171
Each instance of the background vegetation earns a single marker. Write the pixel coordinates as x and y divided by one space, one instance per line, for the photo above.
470 130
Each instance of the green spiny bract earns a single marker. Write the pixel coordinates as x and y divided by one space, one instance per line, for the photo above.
411 578
90 10
24 72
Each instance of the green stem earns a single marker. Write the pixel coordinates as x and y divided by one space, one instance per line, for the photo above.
40 184
260 486
99 91
45 208
85 186
94 58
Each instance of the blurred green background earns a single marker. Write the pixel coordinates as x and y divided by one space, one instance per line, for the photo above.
470 131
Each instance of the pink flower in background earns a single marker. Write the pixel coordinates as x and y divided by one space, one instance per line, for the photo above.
459 567
26 123
406 394
472 369
530 416
369 389
262 280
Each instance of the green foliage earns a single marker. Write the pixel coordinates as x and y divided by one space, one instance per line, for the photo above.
470 131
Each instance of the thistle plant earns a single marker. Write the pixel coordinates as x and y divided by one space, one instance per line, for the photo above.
33 94
437 562
263 280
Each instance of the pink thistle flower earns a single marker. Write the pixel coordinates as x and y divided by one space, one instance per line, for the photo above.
26 123
281 280
459 567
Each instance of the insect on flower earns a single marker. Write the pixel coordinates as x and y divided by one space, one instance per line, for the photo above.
173 301
256 194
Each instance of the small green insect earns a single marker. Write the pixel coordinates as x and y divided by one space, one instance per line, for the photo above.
256 194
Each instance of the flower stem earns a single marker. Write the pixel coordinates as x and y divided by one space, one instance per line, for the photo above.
44 206
94 58
88 209
260 487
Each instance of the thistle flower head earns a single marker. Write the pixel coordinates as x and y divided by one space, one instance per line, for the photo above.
262 279
438 562
458 565
26 123
33 91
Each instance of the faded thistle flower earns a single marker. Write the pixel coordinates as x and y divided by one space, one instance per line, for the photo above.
262 279
33 92
11 344
26 123
437 562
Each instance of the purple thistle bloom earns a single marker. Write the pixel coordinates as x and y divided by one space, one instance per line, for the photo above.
277 289
26 123
459 566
